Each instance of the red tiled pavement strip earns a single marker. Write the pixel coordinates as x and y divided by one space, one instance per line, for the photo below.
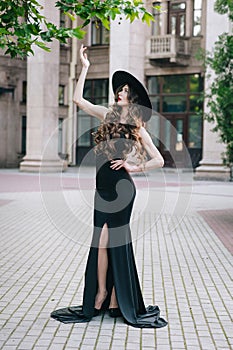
37 183
221 222
20 182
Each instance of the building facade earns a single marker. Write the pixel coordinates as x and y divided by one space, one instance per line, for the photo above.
163 56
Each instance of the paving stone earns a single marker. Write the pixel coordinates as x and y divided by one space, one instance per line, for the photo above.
56 347
42 269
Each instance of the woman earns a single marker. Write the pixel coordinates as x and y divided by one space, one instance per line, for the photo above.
111 280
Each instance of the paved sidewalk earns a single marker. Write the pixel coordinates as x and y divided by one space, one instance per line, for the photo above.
182 234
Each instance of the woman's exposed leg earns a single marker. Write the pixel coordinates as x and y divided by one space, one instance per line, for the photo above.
113 301
102 272
102 268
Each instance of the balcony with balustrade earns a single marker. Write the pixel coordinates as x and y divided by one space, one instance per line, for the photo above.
168 48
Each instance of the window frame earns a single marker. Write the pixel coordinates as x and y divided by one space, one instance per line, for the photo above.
178 13
99 26
61 99
156 27
23 134
193 17
24 91
188 113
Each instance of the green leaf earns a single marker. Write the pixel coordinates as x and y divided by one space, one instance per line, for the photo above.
70 15
148 18
105 21
32 28
137 2
42 45
113 12
132 16
4 31
86 23
157 7
78 33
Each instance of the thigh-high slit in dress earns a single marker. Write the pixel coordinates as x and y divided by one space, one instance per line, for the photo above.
114 198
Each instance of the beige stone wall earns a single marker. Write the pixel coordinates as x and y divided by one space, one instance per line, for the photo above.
12 75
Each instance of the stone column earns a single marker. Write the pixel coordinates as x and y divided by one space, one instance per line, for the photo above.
127 48
211 166
42 104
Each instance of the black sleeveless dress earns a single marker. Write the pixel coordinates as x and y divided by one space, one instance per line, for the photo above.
114 198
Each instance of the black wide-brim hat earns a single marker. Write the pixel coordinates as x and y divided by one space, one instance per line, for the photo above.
121 78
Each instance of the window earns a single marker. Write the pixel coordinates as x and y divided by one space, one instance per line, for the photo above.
195 131
174 83
95 91
154 124
196 83
197 17
60 135
62 20
177 15
174 104
23 134
167 132
155 103
61 95
99 34
179 126
175 95
24 92
153 85
178 99
156 25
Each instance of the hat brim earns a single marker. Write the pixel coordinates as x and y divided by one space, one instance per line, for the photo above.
121 78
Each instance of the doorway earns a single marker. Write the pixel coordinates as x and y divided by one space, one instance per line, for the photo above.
174 138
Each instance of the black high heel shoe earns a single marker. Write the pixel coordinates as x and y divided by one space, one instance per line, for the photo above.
115 312
97 312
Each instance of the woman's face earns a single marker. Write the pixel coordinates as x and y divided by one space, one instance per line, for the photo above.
122 96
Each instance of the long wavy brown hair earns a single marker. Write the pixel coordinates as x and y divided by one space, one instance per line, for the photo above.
111 129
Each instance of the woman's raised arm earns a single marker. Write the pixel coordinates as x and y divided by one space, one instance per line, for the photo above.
88 107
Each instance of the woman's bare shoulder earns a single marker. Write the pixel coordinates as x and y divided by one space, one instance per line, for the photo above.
146 138
143 132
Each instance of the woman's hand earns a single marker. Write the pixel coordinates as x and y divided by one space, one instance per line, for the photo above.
83 57
119 163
